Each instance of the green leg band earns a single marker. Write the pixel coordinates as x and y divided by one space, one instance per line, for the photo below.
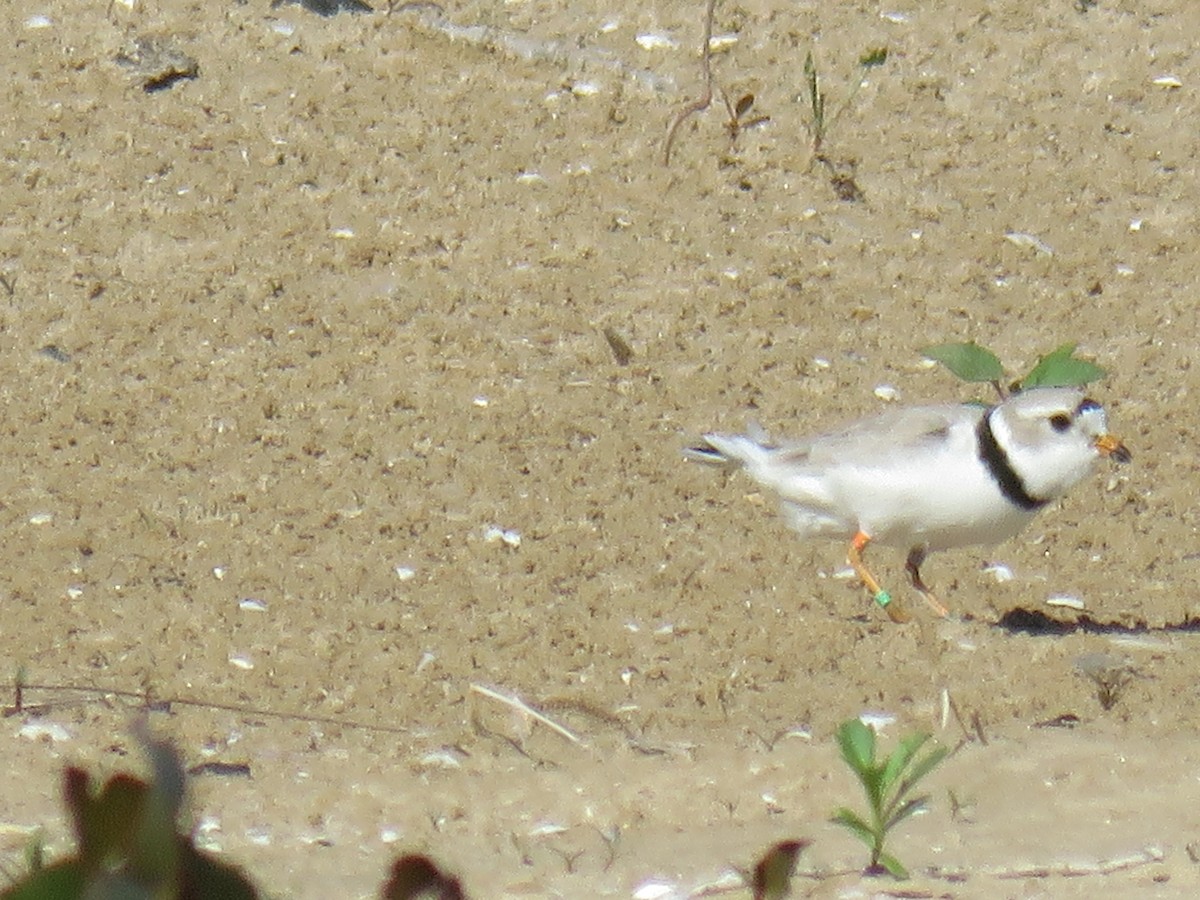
883 598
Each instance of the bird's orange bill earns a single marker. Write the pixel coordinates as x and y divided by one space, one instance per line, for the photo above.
855 556
1108 445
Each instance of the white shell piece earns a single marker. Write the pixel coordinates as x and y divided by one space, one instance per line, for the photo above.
1068 602
999 571
1028 241
876 720
43 730
585 88
441 759
651 40
541 829
654 889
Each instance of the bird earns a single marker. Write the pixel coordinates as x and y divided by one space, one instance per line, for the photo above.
927 478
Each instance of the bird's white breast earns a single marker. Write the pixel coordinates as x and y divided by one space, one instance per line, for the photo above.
939 496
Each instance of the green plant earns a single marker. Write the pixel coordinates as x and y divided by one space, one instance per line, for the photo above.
417 877
772 875
130 847
816 103
129 843
818 124
1058 368
1109 674
888 784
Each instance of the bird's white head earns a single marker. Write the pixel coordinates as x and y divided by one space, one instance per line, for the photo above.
1051 438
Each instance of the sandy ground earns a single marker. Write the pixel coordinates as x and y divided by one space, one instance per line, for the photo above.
310 412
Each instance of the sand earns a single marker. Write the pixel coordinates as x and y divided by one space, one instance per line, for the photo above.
314 429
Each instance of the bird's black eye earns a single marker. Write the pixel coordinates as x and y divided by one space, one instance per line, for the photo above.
1060 421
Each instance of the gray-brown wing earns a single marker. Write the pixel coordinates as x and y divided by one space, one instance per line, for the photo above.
893 433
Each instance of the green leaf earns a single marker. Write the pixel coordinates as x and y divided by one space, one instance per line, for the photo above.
910 807
64 879
924 767
816 97
415 876
876 56
902 756
893 866
104 823
35 851
858 746
1061 368
968 361
773 873
854 823
203 875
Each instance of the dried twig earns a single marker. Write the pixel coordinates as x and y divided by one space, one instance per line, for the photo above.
148 700
705 99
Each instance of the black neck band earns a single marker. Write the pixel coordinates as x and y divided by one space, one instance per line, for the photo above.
997 463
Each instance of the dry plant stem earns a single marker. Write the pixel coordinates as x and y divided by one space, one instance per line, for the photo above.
705 100
146 699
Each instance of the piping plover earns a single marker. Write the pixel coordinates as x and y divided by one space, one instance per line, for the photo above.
927 478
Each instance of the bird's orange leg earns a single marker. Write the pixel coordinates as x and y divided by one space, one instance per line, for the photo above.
855 556
912 565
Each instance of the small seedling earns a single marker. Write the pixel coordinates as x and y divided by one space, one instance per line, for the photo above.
1109 674
621 351
740 118
978 365
1062 368
818 123
816 103
888 785
959 807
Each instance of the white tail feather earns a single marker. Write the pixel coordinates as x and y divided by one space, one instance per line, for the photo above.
728 451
